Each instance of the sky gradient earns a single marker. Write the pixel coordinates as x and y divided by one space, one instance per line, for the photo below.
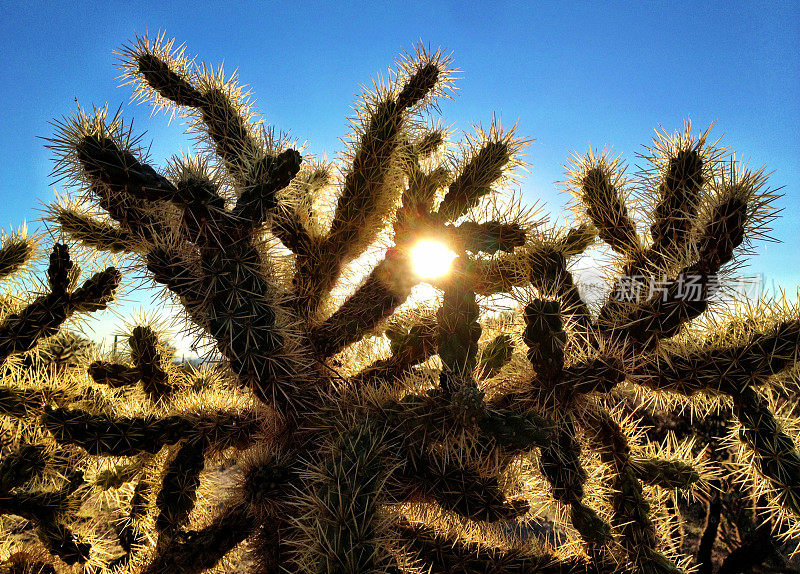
605 74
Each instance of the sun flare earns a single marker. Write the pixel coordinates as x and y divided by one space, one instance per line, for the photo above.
431 259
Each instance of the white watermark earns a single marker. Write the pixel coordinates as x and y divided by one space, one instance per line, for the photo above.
685 287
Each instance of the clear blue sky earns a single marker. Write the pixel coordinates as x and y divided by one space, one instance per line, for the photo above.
601 72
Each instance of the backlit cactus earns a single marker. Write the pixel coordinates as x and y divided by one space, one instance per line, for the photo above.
377 432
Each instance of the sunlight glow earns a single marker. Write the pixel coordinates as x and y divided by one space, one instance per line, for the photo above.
431 259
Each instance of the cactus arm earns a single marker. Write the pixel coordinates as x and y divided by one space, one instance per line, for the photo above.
599 374
129 532
96 292
664 473
148 359
388 286
731 213
101 434
348 491
15 252
114 375
442 554
599 184
420 193
20 332
486 159
488 237
540 264
18 403
256 202
120 170
458 330
457 488
119 475
494 355
410 348
266 488
776 455
372 182
561 467
61 541
365 197
390 283
630 519
25 562
559 459
170 268
224 115
728 369
122 182
754 550
241 317
679 197
545 338
47 509
20 465
709 536
516 432
178 493
506 271
128 436
577 240
33 505
424 419
199 550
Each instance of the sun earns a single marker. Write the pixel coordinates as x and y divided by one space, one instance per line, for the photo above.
431 259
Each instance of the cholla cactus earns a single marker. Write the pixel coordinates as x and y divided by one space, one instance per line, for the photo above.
39 481
374 432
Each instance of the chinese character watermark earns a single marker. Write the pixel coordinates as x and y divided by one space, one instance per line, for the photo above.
690 287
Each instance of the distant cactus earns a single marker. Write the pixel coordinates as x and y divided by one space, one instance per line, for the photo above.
377 432
62 350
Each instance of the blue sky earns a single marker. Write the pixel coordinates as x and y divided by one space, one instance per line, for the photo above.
571 74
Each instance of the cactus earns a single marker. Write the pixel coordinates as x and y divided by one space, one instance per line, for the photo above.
375 432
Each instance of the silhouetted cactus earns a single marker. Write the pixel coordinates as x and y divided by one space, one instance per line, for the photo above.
378 433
